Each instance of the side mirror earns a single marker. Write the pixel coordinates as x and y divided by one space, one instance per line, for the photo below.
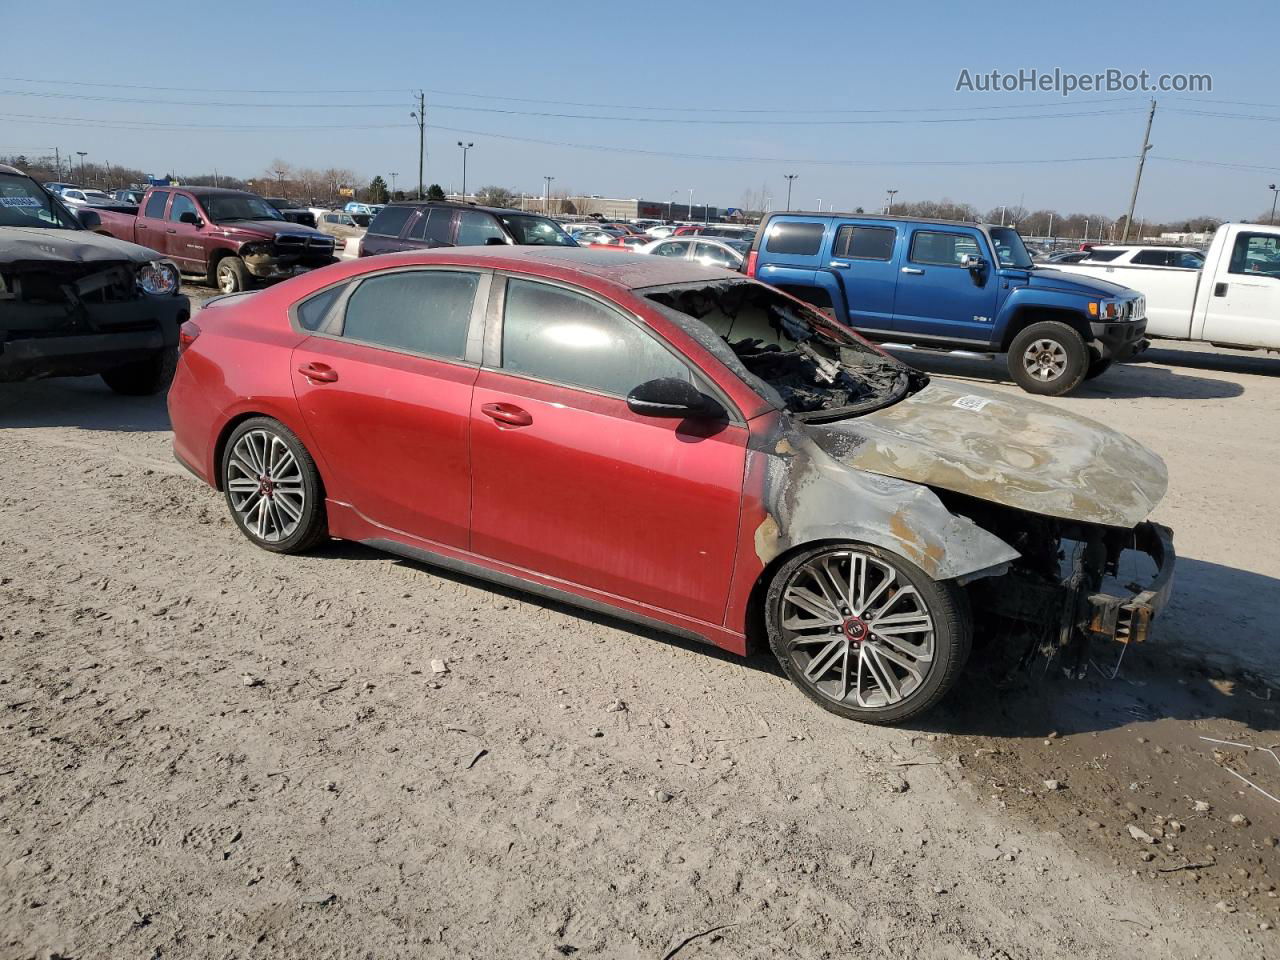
672 397
89 219
973 263
190 218
495 242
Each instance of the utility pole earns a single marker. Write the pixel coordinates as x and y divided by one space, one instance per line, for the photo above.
57 162
669 199
421 116
889 206
1137 179
689 215
1274 194
465 147
82 154
546 203
393 184
790 178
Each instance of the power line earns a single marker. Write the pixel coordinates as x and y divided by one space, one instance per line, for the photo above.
569 103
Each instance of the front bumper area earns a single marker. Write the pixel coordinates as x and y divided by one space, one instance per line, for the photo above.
1119 341
1127 618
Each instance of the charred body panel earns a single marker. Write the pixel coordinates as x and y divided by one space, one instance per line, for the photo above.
1030 507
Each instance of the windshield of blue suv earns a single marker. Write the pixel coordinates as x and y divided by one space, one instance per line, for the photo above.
537 231
1010 250
23 203
794 356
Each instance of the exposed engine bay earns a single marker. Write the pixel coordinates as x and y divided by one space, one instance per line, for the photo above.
816 369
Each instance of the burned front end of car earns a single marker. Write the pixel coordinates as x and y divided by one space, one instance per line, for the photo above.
63 316
1074 584
287 254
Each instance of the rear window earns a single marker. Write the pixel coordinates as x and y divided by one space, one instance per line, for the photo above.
312 312
434 225
865 243
798 239
155 204
390 221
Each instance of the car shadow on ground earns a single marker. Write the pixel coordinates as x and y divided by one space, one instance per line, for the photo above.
1258 363
84 402
1122 381
1163 679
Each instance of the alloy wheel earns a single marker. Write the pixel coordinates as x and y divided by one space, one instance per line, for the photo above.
1045 359
265 486
856 631
226 280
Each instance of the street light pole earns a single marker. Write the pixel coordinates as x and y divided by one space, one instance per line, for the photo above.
421 116
546 203
889 206
1274 194
790 178
82 154
465 147
669 199
689 216
393 184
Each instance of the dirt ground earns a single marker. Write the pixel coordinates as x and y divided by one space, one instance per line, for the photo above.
207 750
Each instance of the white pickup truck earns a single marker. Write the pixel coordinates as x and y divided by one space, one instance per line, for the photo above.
1230 297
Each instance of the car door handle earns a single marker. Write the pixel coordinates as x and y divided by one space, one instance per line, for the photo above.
507 413
1220 290
914 271
839 263
318 372
171 230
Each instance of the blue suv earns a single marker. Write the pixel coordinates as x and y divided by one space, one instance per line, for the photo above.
953 287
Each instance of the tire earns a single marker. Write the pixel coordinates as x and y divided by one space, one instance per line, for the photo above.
272 487
230 275
145 377
1097 367
1048 358
841 667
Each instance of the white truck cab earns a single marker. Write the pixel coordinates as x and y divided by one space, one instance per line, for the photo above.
1229 296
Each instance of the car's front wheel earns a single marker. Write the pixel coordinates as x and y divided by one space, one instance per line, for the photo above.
1049 358
865 633
231 276
272 487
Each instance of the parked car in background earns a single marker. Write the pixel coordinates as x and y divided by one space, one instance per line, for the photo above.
293 212
1071 256
728 231
635 242
421 224
1229 296
949 286
76 196
229 237
131 195
56 187
73 303
710 252
660 231
590 236
787 486
344 229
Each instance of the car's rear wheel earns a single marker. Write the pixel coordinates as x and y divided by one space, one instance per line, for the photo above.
866 634
145 377
1048 358
272 487
231 276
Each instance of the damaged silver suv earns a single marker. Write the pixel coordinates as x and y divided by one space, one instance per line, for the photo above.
76 303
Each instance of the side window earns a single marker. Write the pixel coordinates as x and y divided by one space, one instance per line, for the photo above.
945 249
475 229
710 254
865 243
155 205
313 311
1255 254
434 224
671 249
1153 258
1102 256
181 204
557 335
798 239
390 221
1193 261
419 311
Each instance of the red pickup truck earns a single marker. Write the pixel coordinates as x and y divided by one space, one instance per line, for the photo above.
228 237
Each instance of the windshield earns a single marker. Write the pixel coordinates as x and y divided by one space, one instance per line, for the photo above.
1010 250
24 204
537 231
799 359
222 209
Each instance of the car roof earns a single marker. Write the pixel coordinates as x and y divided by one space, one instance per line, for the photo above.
1141 246
457 204
626 270
207 191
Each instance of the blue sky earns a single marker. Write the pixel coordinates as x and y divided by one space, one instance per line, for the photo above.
687 61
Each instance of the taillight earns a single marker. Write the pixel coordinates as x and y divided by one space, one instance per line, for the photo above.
187 334
752 257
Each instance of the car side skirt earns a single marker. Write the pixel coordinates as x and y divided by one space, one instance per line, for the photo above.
346 523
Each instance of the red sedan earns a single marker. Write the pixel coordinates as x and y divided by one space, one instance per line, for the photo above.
673 443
